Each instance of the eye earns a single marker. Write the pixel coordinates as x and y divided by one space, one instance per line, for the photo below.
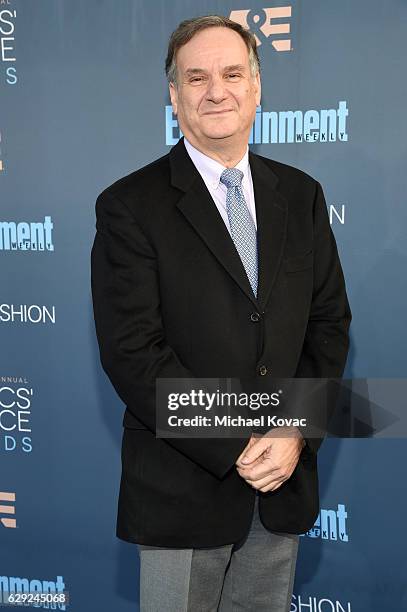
233 75
197 79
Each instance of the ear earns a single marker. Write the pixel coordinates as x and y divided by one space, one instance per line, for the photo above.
174 97
258 88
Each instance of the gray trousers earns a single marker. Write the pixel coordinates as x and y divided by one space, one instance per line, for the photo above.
255 575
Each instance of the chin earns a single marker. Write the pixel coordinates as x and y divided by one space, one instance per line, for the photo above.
220 133
221 129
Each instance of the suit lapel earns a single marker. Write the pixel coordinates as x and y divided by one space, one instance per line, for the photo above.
271 213
197 206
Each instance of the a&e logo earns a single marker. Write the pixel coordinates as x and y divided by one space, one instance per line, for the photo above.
260 23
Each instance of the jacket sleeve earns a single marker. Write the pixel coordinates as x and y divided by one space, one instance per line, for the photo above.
326 340
129 329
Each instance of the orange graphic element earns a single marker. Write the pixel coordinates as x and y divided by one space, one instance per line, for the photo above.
260 24
7 497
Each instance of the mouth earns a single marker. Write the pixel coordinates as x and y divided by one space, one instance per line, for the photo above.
222 112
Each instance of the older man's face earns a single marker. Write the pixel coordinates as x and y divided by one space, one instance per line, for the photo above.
216 96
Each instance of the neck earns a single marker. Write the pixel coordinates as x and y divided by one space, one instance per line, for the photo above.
226 153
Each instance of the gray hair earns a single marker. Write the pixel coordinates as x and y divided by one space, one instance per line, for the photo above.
189 27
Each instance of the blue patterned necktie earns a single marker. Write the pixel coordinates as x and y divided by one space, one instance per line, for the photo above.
242 226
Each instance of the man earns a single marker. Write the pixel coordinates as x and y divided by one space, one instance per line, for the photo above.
214 262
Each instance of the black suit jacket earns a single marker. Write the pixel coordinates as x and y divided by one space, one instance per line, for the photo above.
171 299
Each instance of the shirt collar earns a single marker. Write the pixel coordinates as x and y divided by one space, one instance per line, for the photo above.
209 168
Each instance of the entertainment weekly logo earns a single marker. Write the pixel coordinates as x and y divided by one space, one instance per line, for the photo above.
46 594
27 235
330 525
17 398
8 18
324 125
260 23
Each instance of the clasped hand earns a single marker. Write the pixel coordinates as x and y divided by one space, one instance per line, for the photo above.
269 460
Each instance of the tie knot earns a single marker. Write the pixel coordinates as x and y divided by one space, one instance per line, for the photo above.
231 177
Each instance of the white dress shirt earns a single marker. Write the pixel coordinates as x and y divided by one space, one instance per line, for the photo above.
210 170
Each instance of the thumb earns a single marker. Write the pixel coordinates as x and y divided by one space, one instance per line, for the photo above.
253 453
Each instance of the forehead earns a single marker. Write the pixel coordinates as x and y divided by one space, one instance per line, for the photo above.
213 46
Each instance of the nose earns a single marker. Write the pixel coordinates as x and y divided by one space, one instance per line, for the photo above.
216 90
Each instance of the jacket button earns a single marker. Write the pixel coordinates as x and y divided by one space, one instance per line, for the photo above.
262 370
255 317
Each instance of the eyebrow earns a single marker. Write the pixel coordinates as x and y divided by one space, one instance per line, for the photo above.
191 71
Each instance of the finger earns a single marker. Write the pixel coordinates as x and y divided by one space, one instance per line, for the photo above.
272 487
248 445
247 468
262 470
260 461
260 481
258 476
255 451
267 484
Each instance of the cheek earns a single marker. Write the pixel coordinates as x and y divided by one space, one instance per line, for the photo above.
243 97
190 113
248 101
190 106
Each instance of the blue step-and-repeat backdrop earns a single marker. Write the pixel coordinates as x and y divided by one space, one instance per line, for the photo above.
83 101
